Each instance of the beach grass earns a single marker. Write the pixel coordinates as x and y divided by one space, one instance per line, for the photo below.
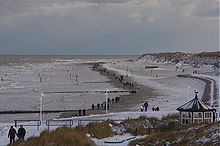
66 136
192 134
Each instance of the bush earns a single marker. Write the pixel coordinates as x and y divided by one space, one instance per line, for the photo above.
70 136
99 130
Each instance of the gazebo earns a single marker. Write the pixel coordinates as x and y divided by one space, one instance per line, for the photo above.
196 111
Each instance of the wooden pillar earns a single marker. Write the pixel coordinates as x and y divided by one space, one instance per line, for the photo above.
213 116
203 116
181 118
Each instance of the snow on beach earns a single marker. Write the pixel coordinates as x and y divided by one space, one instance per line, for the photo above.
21 84
173 92
33 131
21 87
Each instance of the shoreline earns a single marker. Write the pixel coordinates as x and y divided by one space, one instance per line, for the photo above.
127 102
206 97
143 93
131 102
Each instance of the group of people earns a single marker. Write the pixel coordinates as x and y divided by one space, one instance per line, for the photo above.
20 134
103 104
144 106
155 108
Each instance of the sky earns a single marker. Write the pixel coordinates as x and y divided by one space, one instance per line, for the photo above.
107 27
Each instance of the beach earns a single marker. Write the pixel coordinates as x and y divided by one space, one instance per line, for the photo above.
65 83
24 79
172 86
163 87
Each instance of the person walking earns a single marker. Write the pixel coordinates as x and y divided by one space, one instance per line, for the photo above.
11 134
21 132
79 111
145 106
98 106
84 112
93 106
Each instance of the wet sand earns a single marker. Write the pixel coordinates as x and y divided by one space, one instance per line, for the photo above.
127 102
144 93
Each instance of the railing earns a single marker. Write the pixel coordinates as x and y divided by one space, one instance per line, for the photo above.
28 123
59 123
89 120
95 120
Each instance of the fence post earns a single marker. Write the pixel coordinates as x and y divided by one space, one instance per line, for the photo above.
48 124
38 125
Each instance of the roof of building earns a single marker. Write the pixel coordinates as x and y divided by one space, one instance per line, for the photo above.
195 105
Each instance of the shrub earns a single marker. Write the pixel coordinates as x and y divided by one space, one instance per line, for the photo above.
99 129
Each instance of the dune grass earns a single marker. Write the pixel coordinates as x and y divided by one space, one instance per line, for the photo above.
66 136
181 135
170 117
158 132
138 126
61 136
99 130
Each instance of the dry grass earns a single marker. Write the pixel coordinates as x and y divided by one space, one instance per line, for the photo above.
70 136
99 130
160 132
140 126
170 117
181 135
209 54
60 137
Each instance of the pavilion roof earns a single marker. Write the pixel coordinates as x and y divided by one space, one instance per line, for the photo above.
195 105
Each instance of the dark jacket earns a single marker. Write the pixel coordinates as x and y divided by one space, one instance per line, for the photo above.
12 133
146 105
21 132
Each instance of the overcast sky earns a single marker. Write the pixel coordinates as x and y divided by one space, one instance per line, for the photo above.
107 27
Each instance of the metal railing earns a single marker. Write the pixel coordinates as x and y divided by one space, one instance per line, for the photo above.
36 123
59 123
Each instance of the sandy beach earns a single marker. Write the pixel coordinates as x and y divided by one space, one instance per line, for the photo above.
165 87
160 86
171 86
128 102
24 82
168 90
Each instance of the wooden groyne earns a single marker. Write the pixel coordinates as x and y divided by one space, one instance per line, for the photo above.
35 111
115 91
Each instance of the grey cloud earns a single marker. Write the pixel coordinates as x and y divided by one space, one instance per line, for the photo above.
103 1
214 12
108 29
10 7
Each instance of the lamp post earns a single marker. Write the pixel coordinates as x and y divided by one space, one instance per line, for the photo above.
188 92
41 106
106 101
